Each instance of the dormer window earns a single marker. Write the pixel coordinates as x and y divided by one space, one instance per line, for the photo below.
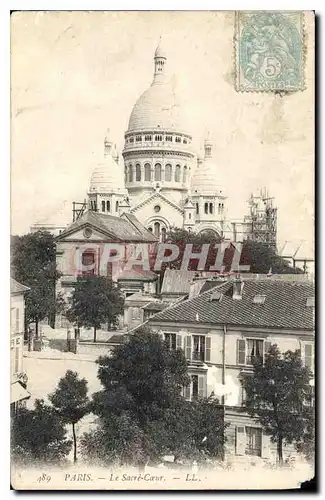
310 302
216 296
259 299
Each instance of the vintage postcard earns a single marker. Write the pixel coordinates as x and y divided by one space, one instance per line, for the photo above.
162 250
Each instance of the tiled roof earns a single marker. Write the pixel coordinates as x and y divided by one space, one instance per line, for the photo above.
176 281
125 228
155 306
284 306
16 287
137 273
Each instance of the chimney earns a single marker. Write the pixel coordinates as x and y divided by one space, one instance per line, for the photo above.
237 289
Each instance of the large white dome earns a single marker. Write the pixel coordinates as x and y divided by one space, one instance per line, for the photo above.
158 107
205 180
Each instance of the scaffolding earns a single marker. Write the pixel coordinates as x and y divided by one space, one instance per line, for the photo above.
78 209
263 218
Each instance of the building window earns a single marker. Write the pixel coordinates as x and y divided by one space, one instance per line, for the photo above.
198 348
211 208
17 320
148 137
185 174
108 206
259 299
206 208
168 173
88 259
138 172
169 138
178 139
190 216
309 356
197 208
103 206
196 389
163 234
250 349
158 138
178 173
184 140
156 229
253 441
157 172
131 139
116 206
219 208
138 138
147 172
170 339
150 229
130 174
157 208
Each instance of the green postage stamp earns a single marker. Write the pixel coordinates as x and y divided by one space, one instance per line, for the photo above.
269 51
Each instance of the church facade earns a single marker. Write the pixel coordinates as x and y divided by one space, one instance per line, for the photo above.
164 183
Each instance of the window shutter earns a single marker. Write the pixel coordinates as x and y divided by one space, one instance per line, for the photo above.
309 356
17 320
178 341
241 352
267 346
187 392
240 440
207 348
188 346
202 386
265 446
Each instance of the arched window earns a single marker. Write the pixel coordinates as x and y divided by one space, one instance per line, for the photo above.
219 208
156 229
116 206
168 172
108 206
197 207
190 215
206 208
103 206
137 172
178 173
157 172
211 208
185 174
126 174
130 174
147 172
163 234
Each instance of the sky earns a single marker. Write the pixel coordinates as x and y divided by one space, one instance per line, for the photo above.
76 74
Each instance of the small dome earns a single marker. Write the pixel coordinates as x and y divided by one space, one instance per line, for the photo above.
107 178
205 179
160 52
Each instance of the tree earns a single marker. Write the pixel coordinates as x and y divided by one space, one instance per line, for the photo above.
260 257
95 300
142 384
71 402
39 434
279 396
33 264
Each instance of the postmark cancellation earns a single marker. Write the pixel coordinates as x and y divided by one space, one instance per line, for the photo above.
269 50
